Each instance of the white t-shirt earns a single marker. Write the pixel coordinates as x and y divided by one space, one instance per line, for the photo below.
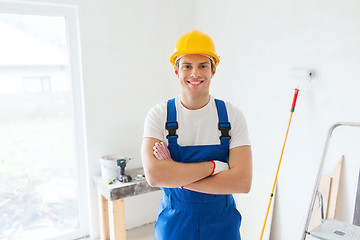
197 127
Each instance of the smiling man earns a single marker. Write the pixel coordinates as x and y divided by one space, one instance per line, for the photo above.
194 72
197 149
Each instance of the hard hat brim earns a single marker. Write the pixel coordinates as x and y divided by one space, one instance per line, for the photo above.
174 57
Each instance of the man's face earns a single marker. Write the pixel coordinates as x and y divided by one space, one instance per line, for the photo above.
195 74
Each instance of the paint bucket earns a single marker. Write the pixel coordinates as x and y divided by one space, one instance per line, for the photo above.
109 167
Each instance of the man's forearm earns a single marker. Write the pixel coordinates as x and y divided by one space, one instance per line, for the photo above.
235 180
174 174
168 173
226 182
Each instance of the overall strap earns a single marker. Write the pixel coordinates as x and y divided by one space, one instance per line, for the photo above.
224 124
171 124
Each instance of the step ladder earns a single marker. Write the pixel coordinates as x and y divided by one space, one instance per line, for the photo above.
329 229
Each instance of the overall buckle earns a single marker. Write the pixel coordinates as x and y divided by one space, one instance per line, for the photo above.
224 127
171 127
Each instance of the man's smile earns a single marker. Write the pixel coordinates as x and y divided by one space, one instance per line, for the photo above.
195 82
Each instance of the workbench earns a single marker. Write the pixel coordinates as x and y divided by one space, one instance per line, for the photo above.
111 202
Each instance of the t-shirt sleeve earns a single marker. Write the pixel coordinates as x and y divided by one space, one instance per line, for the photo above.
155 122
239 132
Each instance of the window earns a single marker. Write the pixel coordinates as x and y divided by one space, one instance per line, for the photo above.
36 84
42 150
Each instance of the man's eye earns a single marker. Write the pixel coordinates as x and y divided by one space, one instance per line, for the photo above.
186 66
203 66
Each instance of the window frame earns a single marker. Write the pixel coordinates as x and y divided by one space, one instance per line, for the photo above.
70 13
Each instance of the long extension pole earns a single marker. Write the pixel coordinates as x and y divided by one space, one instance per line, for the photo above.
278 168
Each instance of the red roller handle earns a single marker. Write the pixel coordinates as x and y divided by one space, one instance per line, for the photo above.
294 100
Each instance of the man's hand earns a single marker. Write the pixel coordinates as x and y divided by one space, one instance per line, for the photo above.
219 167
161 151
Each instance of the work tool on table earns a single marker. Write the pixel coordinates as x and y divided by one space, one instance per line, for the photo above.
278 168
124 178
111 201
111 181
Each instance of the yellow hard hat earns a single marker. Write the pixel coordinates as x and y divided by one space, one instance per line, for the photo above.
195 42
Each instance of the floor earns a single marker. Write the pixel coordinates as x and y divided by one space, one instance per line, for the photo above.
145 232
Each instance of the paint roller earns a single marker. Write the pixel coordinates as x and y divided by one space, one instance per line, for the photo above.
301 76
278 168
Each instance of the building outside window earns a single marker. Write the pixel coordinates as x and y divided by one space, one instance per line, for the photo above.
42 149
40 84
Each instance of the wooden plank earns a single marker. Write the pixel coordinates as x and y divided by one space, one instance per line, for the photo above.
356 219
324 189
332 194
329 188
117 220
104 217
334 190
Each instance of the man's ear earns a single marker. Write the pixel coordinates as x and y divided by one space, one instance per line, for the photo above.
213 72
176 70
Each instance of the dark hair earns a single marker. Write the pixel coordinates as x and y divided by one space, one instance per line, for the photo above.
211 62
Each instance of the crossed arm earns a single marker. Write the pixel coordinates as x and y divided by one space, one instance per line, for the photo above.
196 176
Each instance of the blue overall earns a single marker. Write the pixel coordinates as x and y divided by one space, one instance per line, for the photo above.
190 215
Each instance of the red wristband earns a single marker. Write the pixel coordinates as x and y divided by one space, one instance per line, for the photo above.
213 167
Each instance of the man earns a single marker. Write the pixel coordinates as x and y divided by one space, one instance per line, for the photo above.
196 148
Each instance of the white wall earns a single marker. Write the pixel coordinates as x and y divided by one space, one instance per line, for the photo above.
126 46
259 43
125 49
